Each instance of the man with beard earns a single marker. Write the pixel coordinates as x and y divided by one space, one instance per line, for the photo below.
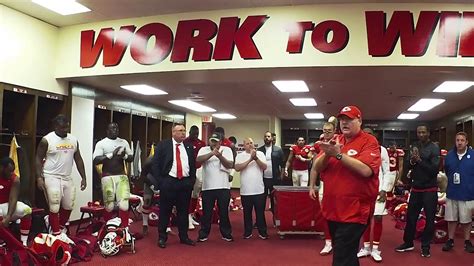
111 152
275 163
299 158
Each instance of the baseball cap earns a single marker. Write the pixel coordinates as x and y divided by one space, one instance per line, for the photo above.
351 112
215 137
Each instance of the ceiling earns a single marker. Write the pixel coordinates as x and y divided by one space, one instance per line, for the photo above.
119 9
381 92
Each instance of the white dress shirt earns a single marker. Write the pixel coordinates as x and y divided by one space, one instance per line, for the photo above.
184 160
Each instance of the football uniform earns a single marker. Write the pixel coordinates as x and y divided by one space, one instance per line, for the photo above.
300 174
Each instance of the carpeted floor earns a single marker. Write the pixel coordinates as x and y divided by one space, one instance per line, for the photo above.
293 250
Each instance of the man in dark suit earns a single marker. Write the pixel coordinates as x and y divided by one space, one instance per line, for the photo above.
174 172
275 163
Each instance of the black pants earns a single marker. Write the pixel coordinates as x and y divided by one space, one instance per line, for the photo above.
428 201
269 183
174 192
249 203
345 242
209 198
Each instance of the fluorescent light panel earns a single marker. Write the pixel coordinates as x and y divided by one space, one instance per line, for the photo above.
290 85
303 101
144 89
425 104
63 7
454 86
314 116
224 116
408 116
194 106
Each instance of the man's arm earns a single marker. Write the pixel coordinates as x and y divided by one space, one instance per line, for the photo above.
128 156
432 164
12 200
321 163
224 161
241 166
80 167
288 162
204 157
99 154
40 156
261 162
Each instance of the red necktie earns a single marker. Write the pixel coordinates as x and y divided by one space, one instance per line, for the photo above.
179 166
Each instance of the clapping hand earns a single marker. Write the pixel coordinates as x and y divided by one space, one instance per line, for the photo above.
331 148
253 154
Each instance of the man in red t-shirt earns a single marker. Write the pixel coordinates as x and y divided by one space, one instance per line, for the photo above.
299 158
10 208
350 166
193 139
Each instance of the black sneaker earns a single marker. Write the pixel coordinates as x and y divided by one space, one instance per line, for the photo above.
425 252
468 246
248 236
202 239
405 247
228 238
448 245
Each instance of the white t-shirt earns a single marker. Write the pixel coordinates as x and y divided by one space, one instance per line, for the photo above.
251 177
268 173
214 174
60 154
107 145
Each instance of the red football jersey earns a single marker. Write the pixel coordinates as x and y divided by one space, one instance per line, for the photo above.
5 187
394 157
197 145
303 151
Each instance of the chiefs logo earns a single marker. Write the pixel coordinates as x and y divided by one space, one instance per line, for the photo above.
346 109
351 152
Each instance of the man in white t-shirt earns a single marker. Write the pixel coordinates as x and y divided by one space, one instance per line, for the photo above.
111 152
251 165
55 156
216 162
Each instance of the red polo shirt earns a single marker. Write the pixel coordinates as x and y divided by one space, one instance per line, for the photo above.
303 151
197 145
349 197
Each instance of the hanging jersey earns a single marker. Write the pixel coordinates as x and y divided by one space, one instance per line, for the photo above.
5 187
442 156
60 154
303 151
394 158
107 145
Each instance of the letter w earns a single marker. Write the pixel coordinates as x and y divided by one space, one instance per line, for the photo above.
113 46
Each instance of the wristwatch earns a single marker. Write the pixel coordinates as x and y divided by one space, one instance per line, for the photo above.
339 156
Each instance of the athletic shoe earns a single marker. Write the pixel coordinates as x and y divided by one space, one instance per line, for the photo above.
468 246
194 221
376 255
202 239
63 237
190 223
363 252
248 236
405 247
425 252
228 238
448 245
326 249
263 236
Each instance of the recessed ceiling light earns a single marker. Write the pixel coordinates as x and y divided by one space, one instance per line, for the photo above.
425 104
454 86
63 7
224 116
303 101
408 116
144 89
197 107
314 115
290 85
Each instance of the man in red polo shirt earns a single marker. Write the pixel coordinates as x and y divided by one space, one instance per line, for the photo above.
350 165
193 140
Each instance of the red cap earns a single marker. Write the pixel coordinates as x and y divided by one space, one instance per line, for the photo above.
351 112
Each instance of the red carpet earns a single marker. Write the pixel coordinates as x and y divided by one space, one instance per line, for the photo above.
293 250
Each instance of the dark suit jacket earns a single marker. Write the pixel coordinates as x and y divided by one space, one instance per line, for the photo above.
278 161
163 161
